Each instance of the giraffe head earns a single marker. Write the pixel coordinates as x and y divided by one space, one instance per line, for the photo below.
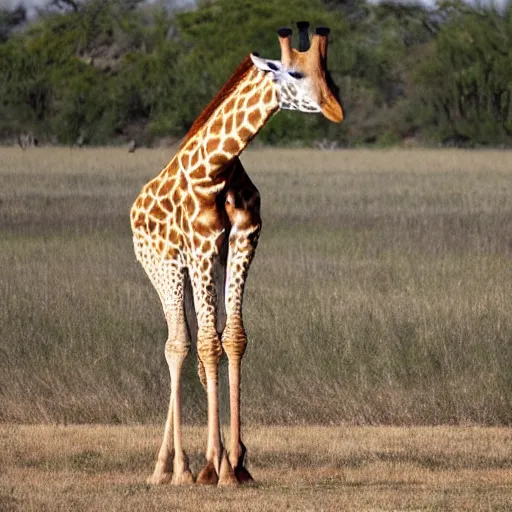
301 76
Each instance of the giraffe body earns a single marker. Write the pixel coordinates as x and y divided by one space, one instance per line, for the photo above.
180 212
202 210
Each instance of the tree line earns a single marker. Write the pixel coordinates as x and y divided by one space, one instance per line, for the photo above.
105 72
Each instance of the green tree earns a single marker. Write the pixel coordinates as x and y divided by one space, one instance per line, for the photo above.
122 69
10 20
466 81
216 36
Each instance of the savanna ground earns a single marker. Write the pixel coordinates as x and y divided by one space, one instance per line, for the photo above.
380 295
308 468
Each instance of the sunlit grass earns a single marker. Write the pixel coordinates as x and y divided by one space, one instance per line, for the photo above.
380 292
297 468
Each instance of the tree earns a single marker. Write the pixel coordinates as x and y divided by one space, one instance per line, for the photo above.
10 20
466 84
124 69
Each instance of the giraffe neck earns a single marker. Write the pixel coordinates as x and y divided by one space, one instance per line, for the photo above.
233 118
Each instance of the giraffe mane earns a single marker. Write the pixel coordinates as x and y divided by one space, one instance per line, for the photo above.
238 75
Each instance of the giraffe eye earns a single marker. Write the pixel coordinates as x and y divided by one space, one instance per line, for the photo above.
272 66
295 74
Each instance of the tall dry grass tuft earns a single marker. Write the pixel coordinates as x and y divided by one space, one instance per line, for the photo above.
380 292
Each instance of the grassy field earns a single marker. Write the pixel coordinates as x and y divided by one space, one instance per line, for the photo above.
98 468
380 293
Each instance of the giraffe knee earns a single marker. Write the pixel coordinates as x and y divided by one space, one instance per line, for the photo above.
209 349
178 339
235 351
234 340
176 348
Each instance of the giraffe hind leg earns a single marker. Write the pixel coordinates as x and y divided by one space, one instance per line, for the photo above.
217 468
243 209
190 312
191 321
234 342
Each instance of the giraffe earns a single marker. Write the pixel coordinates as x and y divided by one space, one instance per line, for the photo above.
202 213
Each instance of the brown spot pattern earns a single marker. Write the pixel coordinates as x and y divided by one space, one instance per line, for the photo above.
166 204
240 117
252 100
212 144
254 118
231 146
228 125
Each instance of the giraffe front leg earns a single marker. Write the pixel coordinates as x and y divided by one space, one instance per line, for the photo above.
172 463
217 469
242 244
162 473
176 355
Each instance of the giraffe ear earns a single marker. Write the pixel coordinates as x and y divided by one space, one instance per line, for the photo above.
273 66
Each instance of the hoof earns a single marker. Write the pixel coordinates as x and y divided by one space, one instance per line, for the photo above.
226 473
243 476
159 478
208 475
183 478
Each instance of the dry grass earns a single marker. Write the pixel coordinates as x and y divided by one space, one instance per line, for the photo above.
380 292
296 468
